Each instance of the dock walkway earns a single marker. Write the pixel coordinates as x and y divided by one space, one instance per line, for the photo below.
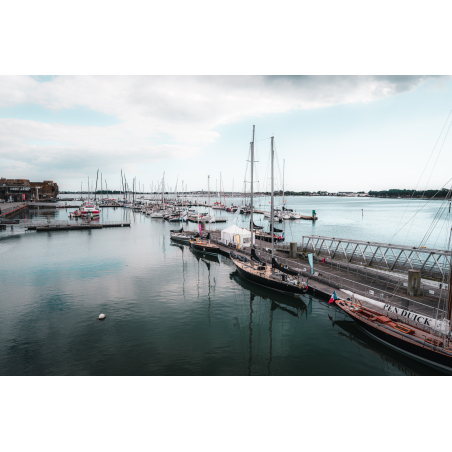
65 225
10 209
327 279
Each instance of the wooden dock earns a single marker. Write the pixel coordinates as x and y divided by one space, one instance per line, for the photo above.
202 221
69 226
302 217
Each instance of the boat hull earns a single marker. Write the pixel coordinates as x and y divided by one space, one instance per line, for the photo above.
271 284
418 352
204 250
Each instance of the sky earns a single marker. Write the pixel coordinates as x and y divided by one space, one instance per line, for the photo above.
333 133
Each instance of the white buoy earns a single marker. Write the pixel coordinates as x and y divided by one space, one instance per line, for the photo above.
102 316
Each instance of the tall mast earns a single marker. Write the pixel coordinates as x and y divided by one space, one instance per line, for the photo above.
208 194
252 192
449 305
163 192
224 196
283 165
272 213
95 192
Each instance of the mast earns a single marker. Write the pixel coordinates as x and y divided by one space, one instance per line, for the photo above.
95 192
252 192
208 194
283 165
224 197
101 189
449 304
272 213
163 193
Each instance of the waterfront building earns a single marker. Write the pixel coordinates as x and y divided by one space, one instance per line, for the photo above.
17 190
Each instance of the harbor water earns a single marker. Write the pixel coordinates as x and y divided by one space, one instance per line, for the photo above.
172 312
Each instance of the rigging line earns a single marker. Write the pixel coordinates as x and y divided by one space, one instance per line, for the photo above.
420 208
435 220
437 217
445 223
425 167
439 153
439 212
436 161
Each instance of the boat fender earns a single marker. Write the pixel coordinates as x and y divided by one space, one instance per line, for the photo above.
102 316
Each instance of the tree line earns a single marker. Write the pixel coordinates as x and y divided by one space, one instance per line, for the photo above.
396 193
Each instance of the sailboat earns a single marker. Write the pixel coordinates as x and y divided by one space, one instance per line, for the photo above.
419 342
274 276
411 333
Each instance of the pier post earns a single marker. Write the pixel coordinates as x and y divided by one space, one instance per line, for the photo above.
414 283
293 250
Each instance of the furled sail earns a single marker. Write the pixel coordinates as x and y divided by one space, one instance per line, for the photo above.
257 227
255 257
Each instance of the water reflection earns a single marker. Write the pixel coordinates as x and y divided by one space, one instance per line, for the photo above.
170 311
350 331
285 304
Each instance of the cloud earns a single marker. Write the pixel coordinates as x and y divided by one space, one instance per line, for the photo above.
162 117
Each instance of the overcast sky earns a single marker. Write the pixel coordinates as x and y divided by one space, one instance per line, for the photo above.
335 133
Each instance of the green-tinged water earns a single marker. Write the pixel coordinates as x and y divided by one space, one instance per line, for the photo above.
171 312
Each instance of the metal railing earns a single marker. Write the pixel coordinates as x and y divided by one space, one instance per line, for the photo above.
339 282
392 280
431 262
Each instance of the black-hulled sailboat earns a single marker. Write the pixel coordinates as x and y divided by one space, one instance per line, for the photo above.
274 276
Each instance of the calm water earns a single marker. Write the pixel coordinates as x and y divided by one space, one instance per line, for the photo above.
170 312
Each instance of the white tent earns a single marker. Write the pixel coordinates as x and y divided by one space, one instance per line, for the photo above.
234 234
